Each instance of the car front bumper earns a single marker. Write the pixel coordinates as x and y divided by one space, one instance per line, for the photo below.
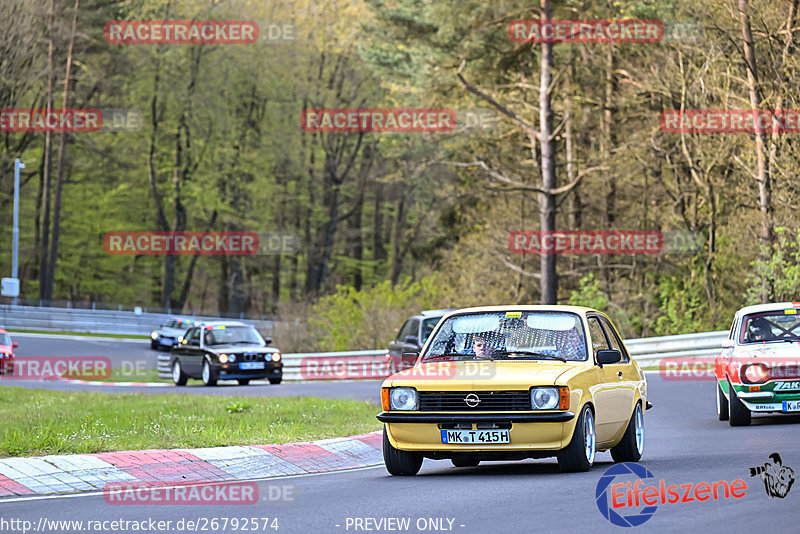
231 371
528 432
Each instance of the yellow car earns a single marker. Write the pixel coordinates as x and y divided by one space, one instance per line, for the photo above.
516 382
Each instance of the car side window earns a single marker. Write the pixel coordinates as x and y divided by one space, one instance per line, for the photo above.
401 336
194 337
614 340
599 341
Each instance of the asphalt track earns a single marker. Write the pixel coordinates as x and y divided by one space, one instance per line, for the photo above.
684 444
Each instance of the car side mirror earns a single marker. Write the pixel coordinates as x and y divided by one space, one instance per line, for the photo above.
14 345
608 356
412 340
268 340
727 343
413 353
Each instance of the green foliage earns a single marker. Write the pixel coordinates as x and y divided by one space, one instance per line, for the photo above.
681 306
589 294
781 272
368 319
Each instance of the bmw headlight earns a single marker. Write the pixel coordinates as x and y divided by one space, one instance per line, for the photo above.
276 356
232 358
403 399
153 335
544 398
223 358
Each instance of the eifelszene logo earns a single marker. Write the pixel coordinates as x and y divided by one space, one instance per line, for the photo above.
777 478
628 494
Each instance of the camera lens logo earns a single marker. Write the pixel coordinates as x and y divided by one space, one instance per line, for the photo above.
622 471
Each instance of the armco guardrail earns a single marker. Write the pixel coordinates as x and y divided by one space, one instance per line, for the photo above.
95 321
372 364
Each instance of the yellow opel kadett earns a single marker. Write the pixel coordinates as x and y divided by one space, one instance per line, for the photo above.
516 382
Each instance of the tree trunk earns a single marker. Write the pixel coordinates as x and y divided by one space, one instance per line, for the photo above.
62 158
399 225
547 201
44 293
763 177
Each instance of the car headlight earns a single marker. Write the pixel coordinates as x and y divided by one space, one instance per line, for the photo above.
754 373
223 358
403 399
550 398
232 358
153 335
276 356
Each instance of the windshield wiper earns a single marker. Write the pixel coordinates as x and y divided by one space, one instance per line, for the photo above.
531 353
453 355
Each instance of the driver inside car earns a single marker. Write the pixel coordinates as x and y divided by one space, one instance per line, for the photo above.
759 330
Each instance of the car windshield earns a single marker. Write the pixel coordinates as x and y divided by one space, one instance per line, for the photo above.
427 327
5 340
228 335
774 325
509 335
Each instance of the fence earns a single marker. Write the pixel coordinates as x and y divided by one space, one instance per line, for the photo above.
372 364
96 321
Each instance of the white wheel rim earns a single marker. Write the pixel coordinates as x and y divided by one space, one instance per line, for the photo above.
176 372
639 426
206 372
588 435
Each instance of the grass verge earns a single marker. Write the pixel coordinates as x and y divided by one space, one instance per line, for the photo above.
37 422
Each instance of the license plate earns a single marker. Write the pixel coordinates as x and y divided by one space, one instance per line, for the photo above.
791 406
251 365
456 437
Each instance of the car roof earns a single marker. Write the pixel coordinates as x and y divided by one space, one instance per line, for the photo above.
430 313
772 306
3 331
221 323
580 310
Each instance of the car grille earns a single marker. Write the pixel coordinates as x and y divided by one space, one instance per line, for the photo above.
250 357
434 401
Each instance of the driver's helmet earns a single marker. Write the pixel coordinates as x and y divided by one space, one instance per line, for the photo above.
759 330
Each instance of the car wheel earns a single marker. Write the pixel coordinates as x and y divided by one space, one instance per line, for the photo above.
243 381
722 404
739 414
178 376
153 344
275 380
209 376
579 454
465 461
400 463
631 446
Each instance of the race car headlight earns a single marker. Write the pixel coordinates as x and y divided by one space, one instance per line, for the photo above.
153 335
223 358
550 398
276 356
403 399
232 358
754 373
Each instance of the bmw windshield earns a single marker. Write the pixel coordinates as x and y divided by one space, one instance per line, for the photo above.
509 335
233 335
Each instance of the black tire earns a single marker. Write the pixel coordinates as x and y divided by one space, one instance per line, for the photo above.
722 404
275 380
243 381
573 457
739 414
465 461
400 463
209 375
631 446
178 376
153 344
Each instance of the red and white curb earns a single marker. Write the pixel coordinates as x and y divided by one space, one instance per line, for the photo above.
46 475
123 384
